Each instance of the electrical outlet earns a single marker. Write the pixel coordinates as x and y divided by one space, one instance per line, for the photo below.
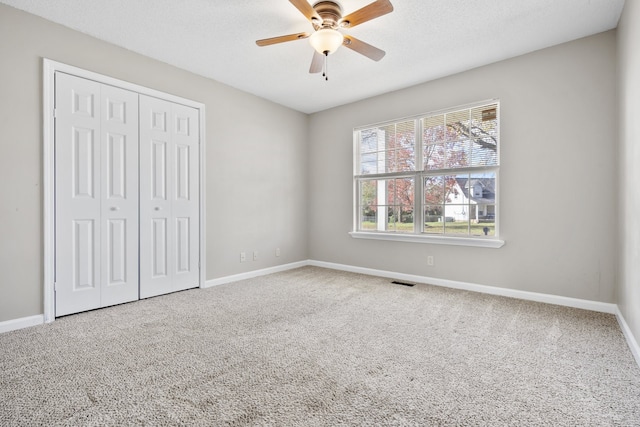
277 251
243 256
430 260
255 255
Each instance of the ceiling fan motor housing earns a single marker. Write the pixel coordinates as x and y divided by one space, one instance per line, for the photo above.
330 12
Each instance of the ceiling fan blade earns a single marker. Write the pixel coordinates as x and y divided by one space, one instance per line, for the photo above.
306 9
316 63
367 13
363 48
282 39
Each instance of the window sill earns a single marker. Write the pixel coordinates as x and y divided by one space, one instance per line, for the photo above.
436 240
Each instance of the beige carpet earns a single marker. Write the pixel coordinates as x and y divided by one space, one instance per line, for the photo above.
315 347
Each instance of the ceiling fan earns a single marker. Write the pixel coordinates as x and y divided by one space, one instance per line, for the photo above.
326 18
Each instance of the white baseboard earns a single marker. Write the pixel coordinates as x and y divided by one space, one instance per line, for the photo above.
602 307
633 344
255 273
24 322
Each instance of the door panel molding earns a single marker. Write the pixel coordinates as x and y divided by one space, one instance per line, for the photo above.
82 105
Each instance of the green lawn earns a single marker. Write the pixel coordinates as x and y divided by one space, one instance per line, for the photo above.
458 228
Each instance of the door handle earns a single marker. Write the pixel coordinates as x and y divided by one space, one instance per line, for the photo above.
113 208
157 208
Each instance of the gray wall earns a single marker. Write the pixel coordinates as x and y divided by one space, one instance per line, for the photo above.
629 219
557 178
256 158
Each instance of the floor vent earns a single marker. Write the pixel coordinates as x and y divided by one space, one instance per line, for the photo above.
395 282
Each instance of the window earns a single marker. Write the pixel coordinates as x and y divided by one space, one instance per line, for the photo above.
429 177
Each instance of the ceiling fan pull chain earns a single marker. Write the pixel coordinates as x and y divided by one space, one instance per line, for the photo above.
325 74
324 66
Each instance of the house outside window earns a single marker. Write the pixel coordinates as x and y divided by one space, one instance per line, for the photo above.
432 175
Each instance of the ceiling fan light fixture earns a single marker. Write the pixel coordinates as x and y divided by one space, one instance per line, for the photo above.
326 40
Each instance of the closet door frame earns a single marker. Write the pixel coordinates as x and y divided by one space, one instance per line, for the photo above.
49 69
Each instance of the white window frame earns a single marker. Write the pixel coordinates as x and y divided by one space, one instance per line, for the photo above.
418 236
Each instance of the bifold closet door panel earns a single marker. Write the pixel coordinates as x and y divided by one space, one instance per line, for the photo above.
77 199
119 196
156 241
96 195
186 204
169 197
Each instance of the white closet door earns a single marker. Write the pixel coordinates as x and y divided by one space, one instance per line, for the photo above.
186 202
155 206
96 186
119 196
77 216
169 197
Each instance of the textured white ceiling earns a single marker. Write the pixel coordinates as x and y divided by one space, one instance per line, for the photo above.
424 39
